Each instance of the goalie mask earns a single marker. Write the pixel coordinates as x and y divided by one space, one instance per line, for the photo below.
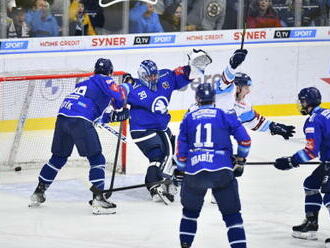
308 99
148 74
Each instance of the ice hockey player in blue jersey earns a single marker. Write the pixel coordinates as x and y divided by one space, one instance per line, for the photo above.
74 126
317 132
149 97
205 154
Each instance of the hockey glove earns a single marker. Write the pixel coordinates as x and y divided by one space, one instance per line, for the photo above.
280 129
237 58
238 163
199 59
127 78
285 163
115 116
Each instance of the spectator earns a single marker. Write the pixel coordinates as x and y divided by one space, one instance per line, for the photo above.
262 15
21 28
312 13
10 5
80 23
142 19
96 15
171 18
206 14
231 15
42 22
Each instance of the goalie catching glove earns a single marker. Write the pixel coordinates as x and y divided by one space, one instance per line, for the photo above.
115 116
199 59
280 129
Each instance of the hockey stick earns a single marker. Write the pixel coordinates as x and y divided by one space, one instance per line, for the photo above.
244 23
267 163
112 131
97 191
108 194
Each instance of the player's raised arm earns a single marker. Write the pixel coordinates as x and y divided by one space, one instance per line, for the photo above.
198 60
228 74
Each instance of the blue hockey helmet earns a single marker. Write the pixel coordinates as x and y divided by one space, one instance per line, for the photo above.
309 97
205 94
242 79
103 66
148 74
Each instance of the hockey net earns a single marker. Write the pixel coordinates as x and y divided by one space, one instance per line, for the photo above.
28 110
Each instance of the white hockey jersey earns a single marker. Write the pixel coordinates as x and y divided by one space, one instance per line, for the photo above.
225 99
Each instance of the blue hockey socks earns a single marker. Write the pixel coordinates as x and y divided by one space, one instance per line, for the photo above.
188 226
50 169
235 233
97 170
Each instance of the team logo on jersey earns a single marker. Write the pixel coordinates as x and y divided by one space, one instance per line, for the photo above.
160 105
165 85
51 89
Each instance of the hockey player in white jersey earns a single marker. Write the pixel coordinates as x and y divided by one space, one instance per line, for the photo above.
231 90
249 117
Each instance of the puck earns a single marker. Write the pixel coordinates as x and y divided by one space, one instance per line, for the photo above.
18 168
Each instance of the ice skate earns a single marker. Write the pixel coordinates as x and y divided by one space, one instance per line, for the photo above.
102 206
307 230
327 243
163 193
38 195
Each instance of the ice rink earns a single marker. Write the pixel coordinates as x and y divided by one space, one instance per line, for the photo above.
272 202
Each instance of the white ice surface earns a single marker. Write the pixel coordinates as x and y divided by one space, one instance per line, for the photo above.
272 201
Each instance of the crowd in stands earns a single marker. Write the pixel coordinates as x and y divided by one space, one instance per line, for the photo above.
44 18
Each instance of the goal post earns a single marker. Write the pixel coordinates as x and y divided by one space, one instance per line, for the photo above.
28 108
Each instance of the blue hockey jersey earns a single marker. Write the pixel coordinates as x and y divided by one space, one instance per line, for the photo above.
92 96
149 109
317 132
204 141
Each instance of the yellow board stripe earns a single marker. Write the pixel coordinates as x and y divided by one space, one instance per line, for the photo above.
177 115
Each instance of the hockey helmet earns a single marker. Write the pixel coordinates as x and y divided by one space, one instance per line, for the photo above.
205 94
148 74
103 66
308 97
242 79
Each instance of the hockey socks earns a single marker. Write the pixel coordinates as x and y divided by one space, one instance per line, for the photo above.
188 227
235 232
96 172
49 170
